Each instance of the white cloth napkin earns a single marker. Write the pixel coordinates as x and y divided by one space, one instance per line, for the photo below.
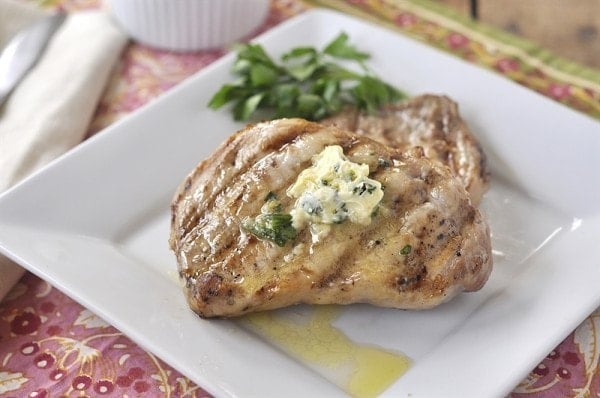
50 110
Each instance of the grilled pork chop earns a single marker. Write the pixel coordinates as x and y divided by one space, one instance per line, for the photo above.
290 211
431 122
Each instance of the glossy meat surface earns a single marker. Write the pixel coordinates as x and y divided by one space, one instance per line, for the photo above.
425 244
432 122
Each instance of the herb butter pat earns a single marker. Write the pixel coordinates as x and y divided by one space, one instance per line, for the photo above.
334 190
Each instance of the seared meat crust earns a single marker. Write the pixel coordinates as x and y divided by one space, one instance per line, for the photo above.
432 122
426 243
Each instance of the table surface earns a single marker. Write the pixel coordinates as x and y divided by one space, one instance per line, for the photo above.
52 346
570 29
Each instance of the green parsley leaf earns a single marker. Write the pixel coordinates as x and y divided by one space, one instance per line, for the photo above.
223 96
310 104
255 54
371 93
246 106
305 82
340 48
262 75
299 52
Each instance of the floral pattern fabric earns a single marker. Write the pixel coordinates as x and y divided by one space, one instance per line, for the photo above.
52 346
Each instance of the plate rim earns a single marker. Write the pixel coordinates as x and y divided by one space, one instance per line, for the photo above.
174 92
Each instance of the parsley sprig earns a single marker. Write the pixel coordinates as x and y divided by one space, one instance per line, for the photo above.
306 83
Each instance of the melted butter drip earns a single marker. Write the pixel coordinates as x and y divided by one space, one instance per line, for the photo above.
359 369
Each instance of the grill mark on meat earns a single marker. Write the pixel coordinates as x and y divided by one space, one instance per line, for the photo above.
411 281
226 198
341 272
228 174
336 274
209 285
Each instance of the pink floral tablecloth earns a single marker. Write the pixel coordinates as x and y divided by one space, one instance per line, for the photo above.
51 346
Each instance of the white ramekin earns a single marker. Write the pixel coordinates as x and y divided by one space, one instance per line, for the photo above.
189 25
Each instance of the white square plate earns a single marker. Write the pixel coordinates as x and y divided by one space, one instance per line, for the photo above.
95 224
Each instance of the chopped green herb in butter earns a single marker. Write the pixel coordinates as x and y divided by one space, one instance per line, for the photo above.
271 224
274 227
406 250
334 190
